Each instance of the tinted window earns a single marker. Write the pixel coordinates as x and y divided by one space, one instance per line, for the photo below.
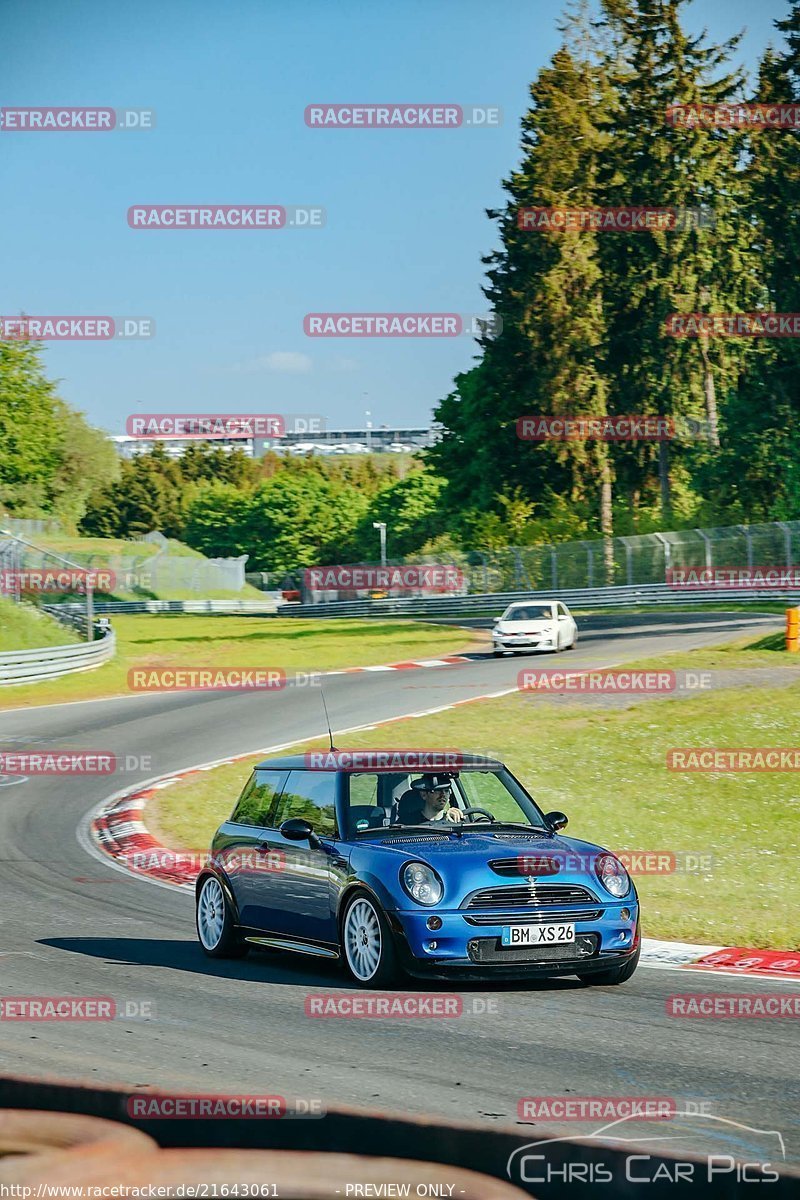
532 612
310 795
257 801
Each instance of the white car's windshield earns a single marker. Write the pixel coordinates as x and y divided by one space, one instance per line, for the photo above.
531 612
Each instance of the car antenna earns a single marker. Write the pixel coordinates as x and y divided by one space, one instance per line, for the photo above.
327 718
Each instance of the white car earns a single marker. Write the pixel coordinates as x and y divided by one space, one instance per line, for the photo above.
534 625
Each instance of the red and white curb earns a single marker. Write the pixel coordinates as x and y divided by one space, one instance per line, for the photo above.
449 661
118 832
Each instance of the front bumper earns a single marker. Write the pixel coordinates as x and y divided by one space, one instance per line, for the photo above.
461 948
533 641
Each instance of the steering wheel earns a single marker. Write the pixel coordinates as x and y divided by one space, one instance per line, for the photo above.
483 811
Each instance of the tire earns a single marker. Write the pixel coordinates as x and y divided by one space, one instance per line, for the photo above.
214 920
498 653
368 949
614 976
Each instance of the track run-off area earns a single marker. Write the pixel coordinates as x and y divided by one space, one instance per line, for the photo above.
71 925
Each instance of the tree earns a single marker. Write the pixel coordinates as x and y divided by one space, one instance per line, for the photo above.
759 473
50 458
648 276
545 286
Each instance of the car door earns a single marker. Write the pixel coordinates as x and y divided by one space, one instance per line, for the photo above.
294 895
238 841
566 626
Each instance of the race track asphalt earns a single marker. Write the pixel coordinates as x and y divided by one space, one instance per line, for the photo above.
71 926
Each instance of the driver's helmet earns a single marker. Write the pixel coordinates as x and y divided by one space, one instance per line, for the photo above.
432 783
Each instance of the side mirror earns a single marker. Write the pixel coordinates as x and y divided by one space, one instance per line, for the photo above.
298 830
495 620
556 820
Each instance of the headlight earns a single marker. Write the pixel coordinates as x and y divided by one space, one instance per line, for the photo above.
612 875
422 883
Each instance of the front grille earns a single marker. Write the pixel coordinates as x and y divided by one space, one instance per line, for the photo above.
525 865
489 950
530 896
534 917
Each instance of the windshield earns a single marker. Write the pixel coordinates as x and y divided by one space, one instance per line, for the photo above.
470 800
531 612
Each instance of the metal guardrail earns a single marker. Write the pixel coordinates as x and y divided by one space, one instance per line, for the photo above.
428 606
232 607
610 597
51 662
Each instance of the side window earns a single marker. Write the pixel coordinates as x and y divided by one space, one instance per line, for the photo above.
312 796
363 789
257 801
362 803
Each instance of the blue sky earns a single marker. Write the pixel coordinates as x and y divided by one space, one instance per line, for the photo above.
229 83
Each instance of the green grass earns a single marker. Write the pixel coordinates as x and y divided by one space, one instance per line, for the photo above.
292 644
606 768
23 627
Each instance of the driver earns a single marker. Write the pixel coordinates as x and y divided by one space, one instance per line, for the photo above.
430 801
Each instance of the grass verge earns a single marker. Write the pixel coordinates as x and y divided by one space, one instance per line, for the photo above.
291 644
23 627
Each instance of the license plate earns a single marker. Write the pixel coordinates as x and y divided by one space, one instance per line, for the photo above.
538 935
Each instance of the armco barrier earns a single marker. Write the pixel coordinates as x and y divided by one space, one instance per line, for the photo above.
481 1147
660 594
51 662
266 608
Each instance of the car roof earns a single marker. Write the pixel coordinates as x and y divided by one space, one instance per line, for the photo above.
528 603
445 762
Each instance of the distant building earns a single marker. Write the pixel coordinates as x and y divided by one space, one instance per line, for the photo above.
330 441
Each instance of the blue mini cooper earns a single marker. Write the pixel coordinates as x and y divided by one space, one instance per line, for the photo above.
450 871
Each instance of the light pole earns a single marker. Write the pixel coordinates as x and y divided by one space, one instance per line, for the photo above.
369 429
381 525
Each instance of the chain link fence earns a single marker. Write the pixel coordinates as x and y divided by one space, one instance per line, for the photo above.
612 562
162 574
